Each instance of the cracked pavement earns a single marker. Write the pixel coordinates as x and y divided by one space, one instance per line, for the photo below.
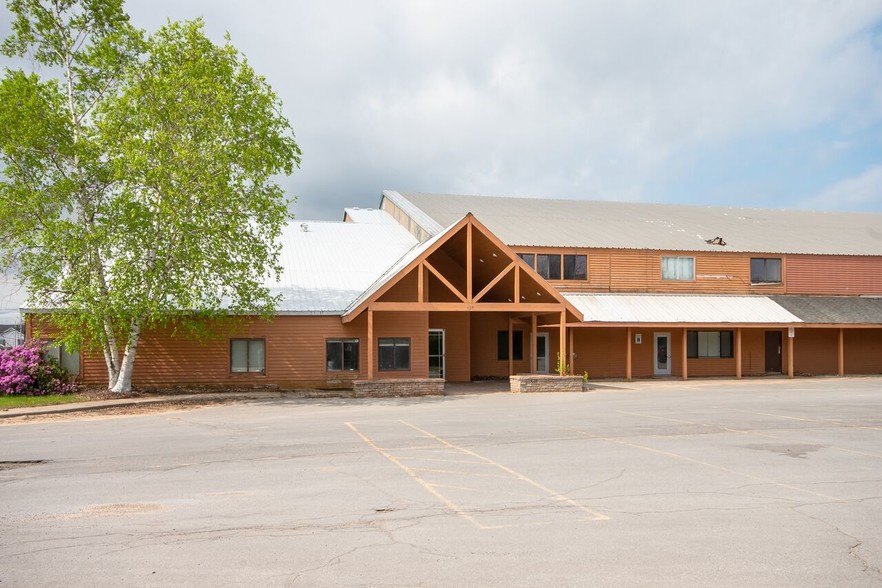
758 482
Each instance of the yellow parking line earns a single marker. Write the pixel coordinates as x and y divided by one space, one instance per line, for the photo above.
448 503
710 465
556 495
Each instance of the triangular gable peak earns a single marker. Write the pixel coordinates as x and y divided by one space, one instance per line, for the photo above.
466 267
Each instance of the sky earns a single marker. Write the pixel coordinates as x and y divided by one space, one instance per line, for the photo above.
768 103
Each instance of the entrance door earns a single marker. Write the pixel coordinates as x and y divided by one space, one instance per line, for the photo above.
773 352
542 353
662 357
436 353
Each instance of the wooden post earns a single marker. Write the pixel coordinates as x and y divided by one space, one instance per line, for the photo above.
469 261
628 358
510 347
685 356
370 344
517 284
841 352
533 343
738 354
789 356
420 286
572 353
563 339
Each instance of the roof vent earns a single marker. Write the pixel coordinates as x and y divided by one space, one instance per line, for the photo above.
304 227
716 241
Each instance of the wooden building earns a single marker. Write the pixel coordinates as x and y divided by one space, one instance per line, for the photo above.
464 287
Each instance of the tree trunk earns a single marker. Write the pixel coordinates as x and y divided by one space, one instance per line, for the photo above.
123 382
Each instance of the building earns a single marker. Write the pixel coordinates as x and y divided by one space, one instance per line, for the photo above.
11 335
465 287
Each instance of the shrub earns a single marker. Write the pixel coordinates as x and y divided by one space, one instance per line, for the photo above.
28 370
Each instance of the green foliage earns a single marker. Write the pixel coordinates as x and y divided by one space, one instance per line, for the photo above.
562 368
139 187
585 376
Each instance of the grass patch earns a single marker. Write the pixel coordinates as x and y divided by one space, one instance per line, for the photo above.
20 401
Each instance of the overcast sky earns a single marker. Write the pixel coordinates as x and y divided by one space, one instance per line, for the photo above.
769 103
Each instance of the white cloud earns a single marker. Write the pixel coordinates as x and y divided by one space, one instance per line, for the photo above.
861 192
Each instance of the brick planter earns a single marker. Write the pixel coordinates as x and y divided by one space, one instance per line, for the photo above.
398 387
524 383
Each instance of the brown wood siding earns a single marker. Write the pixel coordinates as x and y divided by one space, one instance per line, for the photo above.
832 274
403 324
815 352
456 343
483 345
863 351
600 352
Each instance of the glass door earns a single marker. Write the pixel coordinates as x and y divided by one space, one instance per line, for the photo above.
662 354
542 353
436 353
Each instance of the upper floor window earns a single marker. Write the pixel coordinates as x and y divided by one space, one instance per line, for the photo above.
575 267
678 268
765 270
247 355
548 266
529 259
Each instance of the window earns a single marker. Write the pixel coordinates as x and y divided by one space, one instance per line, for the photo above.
529 259
247 355
575 267
517 340
709 343
395 354
678 268
765 270
342 355
548 266
69 360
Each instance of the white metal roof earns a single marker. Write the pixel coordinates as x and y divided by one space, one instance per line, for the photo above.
667 227
327 265
683 308
368 216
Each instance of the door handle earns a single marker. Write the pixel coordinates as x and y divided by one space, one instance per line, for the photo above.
779 350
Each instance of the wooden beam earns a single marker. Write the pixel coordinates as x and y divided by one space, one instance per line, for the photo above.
563 338
685 356
738 354
510 348
572 354
533 343
469 255
789 356
517 286
841 361
421 293
495 281
444 280
459 306
370 344
628 358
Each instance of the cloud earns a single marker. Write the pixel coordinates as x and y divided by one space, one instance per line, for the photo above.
862 192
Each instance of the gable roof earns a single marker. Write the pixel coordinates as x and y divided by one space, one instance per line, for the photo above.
666 227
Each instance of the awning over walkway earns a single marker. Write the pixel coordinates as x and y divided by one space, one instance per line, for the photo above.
834 310
685 309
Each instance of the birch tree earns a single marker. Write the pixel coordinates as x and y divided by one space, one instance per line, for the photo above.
139 186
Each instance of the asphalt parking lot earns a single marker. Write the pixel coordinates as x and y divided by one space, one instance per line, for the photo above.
760 483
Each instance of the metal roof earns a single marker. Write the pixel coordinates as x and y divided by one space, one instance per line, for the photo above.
368 216
833 309
668 227
679 308
327 265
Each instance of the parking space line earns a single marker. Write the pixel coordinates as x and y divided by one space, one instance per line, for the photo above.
429 488
710 465
747 432
556 495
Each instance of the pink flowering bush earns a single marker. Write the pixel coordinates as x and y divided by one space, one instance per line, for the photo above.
28 370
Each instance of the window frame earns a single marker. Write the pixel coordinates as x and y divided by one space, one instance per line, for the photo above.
248 342
396 343
694 346
502 345
678 258
58 352
342 341
575 257
559 265
766 261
